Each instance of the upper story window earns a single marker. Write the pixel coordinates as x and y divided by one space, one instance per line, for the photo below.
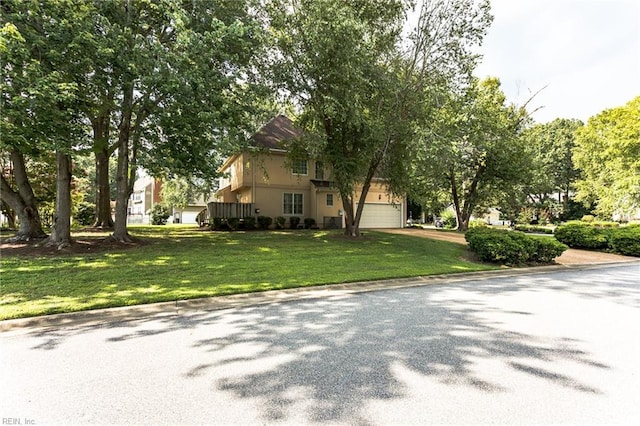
319 170
299 167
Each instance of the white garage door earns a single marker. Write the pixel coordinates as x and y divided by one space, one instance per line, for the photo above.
381 216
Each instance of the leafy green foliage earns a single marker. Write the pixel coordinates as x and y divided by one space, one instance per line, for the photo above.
626 240
294 221
608 154
448 219
470 147
582 236
264 222
85 214
280 221
361 86
249 223
512 247
309 222
159 214
551 148
534 229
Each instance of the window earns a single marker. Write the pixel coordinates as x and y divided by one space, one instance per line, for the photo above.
299 167
319 170
292 204
329 200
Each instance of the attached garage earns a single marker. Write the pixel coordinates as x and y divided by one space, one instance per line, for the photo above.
382 216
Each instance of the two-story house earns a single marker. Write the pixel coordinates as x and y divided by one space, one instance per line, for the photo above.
276 185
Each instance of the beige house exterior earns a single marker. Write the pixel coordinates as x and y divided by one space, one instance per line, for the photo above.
278 186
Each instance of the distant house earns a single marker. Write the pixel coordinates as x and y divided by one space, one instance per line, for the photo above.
275 185
146 194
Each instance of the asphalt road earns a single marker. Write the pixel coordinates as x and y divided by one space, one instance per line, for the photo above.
552 348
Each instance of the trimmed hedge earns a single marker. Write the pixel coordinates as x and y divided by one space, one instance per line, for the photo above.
577 235
512 247
626 240
534 229
623 240
264 222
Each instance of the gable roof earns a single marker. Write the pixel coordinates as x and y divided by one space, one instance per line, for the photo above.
277 130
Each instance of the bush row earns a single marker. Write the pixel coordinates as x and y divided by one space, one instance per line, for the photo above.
512 247
261 222
534 229
624 240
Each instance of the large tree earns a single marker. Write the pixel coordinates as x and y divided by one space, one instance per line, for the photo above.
607 153
471 147
29 120
551 147
183 76
54 34
359 84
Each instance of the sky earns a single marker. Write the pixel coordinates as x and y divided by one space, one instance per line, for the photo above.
582 55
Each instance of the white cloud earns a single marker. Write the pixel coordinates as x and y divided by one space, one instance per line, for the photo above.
587 53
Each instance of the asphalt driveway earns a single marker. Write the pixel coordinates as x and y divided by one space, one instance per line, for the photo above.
558 347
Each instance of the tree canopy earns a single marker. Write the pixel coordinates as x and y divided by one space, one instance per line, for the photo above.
472 150
607 153
360 84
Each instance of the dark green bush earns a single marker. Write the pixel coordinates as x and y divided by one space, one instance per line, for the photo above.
159 214
626 240
249 223
264 222
577 235
280 222
218 224
294 221
512 247
309 222
233 223
86 214
547 249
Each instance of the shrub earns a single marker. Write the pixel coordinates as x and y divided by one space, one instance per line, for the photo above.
218 224
477 223
588 218
280 222
233 223
449 219
512 247
86 214
264 222
534 229
294 221
626 240
547 249
159 214
582 236
309 222
249 223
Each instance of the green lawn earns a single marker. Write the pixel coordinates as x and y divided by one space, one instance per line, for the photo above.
184 263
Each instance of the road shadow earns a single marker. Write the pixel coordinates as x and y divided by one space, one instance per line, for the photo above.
333 356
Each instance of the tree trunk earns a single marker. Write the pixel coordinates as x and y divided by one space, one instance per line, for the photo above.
61 231
22 201
103 193
120 232
350 224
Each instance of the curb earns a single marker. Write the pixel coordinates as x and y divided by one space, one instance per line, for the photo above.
184 307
